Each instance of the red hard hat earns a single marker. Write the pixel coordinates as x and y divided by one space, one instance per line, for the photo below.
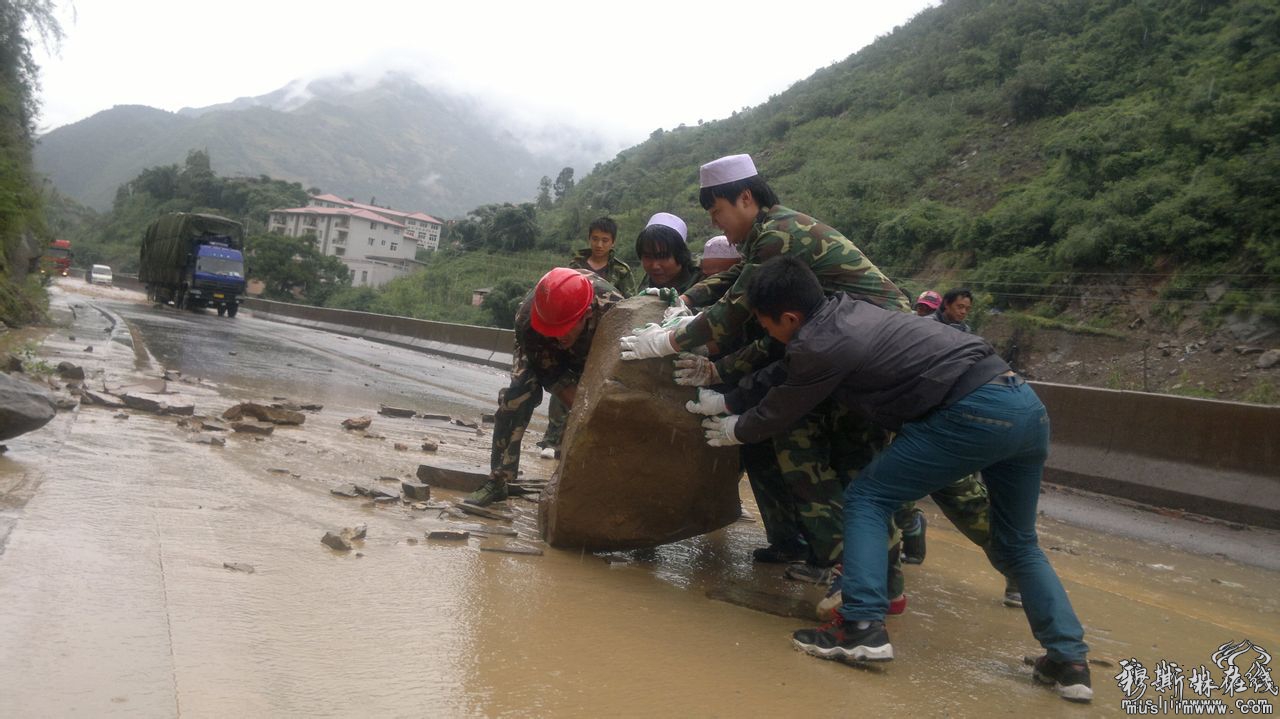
561 298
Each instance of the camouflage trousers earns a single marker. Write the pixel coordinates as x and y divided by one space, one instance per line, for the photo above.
798 478
964 503
557 416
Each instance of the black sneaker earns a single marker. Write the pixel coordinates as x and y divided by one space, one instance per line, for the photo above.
780 553
812 573
492 491
1069 679
842 640
913 541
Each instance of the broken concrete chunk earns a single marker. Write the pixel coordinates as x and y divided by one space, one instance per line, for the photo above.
335 541
142 404
357 532
431 415
387 411
263 413
659 486
345 490
430 445
249 426
376 492
455 477
448 535
415 491
357 423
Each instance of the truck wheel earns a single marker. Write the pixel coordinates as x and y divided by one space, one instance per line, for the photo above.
222 310
232 310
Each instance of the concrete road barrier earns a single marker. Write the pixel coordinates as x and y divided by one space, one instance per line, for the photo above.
1220 459
485 345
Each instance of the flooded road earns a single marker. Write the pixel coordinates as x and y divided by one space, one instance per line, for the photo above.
114 598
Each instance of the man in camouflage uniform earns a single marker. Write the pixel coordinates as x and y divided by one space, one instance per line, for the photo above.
743 206
553 331
597 257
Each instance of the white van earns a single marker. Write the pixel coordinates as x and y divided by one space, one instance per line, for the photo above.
99 275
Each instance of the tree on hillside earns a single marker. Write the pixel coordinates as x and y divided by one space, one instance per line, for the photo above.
544 193
514 228
563 183
291 267
504 300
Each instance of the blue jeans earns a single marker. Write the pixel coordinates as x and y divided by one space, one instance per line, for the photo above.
1001 430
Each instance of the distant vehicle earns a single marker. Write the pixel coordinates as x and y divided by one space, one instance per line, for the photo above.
57 258
194 260
98 275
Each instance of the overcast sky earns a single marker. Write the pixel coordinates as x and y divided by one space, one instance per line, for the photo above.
625 68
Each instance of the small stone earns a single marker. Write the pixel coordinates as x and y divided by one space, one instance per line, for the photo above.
120 415
278 470
310 407
335 541
238 567
357 423
357 532
89 348
68 371
411 541
345 490
415 491
1268 359
400 447
470 424
448 535
232 353
71 338
376 492
430 446
388 478
1217 347
249 426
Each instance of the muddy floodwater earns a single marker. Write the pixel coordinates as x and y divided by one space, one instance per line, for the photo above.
115 599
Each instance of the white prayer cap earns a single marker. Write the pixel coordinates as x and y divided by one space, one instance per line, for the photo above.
726 169
666 219
718 248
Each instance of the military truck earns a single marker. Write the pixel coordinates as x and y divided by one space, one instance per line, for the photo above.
194 260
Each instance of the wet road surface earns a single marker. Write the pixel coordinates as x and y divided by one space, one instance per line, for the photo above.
114 599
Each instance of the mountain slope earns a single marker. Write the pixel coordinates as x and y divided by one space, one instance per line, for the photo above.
1017 143
397 141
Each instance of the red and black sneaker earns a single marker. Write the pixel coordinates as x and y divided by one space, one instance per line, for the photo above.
842 640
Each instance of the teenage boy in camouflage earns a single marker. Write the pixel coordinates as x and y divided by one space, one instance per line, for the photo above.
553 328
957 408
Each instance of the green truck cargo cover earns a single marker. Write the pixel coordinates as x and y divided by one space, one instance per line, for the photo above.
170 238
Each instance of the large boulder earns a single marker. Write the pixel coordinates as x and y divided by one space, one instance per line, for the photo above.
636 471
24 406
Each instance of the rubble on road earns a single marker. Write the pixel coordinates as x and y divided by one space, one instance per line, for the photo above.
510 548
448 535
388 411
357 423
70 372
250 426
489 512
447 475
346 490
263 413
335 541
415 491
24 406
239 567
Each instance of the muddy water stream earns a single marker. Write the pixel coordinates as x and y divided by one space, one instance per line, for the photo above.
114 600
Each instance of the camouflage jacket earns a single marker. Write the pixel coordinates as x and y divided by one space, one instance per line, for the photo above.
687 279
616 273
538 363
839 265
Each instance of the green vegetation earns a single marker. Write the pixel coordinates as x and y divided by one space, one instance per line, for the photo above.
23 236
1044 153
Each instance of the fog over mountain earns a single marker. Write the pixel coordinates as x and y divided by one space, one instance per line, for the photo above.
386 137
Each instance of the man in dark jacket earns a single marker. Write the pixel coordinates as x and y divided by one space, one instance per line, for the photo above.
957 409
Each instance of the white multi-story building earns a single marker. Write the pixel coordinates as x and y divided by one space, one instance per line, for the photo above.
420 227
373 247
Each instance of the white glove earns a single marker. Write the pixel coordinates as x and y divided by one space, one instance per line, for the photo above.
695 371
669 295
719 430
708 402
675 322
648 342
